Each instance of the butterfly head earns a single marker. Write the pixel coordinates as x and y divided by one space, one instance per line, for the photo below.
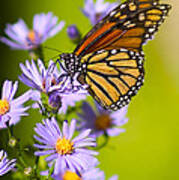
71 62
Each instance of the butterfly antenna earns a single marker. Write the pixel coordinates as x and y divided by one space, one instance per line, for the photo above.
53 49
55 57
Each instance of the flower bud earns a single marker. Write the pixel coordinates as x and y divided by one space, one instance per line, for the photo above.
73 33
28 171
12 142
55 101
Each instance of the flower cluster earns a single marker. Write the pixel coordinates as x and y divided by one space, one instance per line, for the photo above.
67 129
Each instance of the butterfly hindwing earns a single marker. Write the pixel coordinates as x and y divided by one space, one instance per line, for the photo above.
129 26
113 76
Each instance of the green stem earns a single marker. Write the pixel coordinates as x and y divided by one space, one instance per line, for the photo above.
37 53
106 140
19 151
22 160
36 165
10 131
50 173
19 167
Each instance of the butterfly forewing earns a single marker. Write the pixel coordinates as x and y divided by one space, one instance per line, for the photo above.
113 76
129 26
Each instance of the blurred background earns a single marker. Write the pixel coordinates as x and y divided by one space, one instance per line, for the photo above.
149 149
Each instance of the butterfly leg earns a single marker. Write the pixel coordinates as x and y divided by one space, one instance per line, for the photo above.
61 65
61 78
76 86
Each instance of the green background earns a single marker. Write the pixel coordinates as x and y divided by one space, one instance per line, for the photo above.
149 149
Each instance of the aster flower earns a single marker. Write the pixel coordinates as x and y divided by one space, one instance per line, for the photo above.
11 109
96 11
21 37
63 150
60 92
102 121
5 164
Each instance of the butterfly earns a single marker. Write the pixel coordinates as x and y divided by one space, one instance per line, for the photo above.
110 59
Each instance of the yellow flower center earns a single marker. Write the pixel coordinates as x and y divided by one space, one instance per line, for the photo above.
64 146
103 122
4 106
31 36
68 175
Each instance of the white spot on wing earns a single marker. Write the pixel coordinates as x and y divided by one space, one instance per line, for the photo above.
114 51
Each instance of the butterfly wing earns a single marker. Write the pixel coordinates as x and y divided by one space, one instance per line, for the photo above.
111 53
113 76
128 26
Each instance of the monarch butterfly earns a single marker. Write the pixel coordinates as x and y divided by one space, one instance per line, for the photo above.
110 58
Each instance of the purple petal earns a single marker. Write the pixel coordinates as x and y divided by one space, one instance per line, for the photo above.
42 153
114 131
58 165
84 144
12 44
82 135
70 163
43 146
22 99
87 151
52 157
115 177
13 90
65 129
72 128
56 29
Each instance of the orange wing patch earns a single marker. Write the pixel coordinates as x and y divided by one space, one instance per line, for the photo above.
153 17
98 94
102 68
131 39
129 63
119 56
108 39
121 86
132 72
109 88
93 36
129 80
133 43
100 56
